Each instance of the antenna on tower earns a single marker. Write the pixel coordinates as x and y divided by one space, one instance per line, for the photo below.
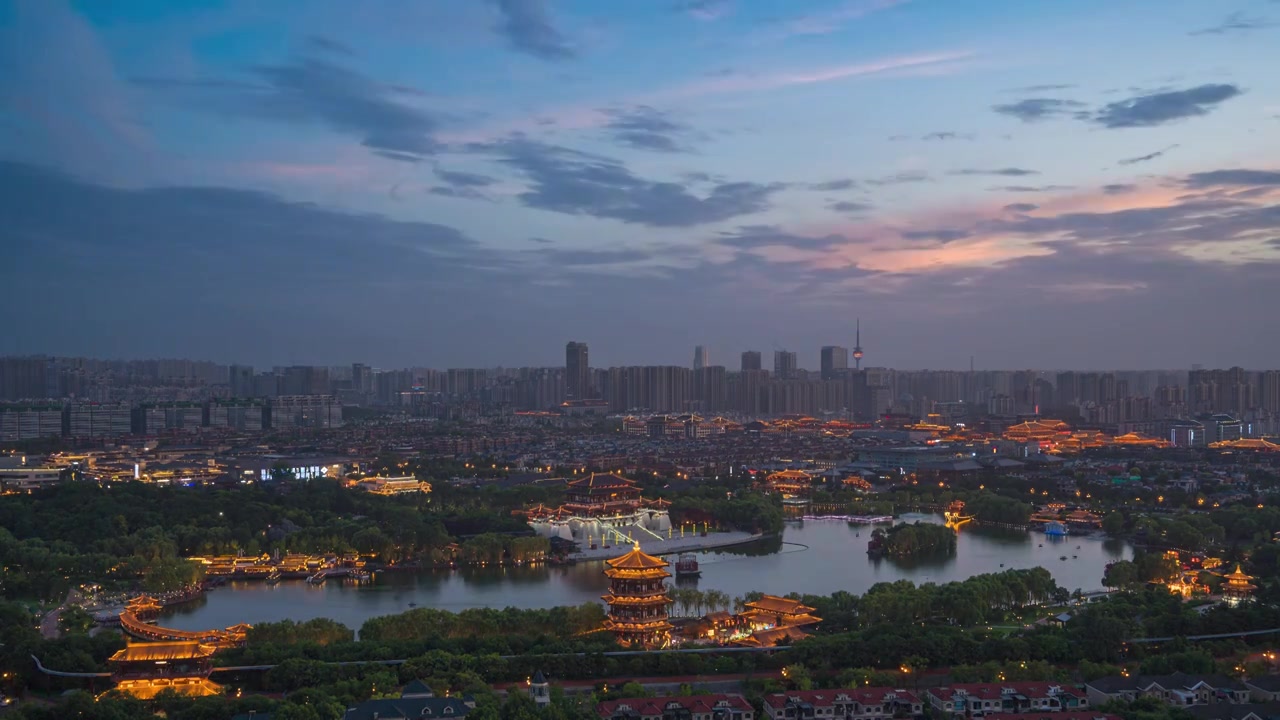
857 345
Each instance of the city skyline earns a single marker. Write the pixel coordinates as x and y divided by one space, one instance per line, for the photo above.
450 184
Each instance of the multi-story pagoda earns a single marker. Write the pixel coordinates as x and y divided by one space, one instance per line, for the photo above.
637 600
1238 588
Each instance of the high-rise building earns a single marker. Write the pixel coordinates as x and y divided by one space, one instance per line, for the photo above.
784 365
23 378
835 361
751 360
361 378
240 378
699 357
577 374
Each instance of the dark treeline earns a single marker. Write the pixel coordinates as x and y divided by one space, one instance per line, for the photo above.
916 539
130 535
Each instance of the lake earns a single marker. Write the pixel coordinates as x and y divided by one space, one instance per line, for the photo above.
818 557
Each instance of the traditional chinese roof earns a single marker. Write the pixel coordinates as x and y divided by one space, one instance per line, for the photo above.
655 707
779 605
1246 444
775 636
162 652
790 475
637 559
186 687
601 481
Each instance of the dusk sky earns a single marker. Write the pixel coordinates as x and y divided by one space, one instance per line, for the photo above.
471 183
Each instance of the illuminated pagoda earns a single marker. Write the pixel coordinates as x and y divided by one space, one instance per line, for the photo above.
598 506
1238 588
1255 444
637 600
144 670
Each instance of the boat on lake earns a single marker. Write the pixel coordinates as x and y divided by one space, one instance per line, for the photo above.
687 566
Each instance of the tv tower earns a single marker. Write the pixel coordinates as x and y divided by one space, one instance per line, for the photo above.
857 347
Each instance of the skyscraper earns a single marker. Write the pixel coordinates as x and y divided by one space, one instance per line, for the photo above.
241 381
751 360
699 357
784 364
577 374
835 361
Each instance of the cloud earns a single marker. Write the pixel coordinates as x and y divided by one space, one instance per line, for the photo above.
348 102
62 100
1030 188
1042 88
941 235
1215 178
848 206
1007 172
459 178
1037 109
1021 207
831 21
326 44
527 28
901 178
1164 107
1145 158
760 236
1118 189
1235 22
644 128
705 10
832 185
577 183
948 135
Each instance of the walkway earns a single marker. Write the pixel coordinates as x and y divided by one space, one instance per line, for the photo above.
50 624
691 542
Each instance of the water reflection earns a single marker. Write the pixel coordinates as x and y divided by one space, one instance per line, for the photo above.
818 557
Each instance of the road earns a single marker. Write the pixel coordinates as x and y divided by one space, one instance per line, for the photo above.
49 624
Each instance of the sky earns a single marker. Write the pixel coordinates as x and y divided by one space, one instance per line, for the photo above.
1091 184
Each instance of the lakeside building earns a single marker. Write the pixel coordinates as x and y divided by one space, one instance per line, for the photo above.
638 602
766 622
789 483
698 707
401 485
144 670
871 703
601 506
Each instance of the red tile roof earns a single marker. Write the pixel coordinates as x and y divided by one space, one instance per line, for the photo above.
865 696
650 707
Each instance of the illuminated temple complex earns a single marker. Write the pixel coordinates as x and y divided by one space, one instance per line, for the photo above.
601 505
638 601
767 622
144 670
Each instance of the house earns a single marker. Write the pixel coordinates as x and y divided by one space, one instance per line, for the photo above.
1235 711
1068 715
1176 689
855 704
698 707
417 706
1006 697
1264 688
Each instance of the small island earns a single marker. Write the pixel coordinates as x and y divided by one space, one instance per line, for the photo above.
912 540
